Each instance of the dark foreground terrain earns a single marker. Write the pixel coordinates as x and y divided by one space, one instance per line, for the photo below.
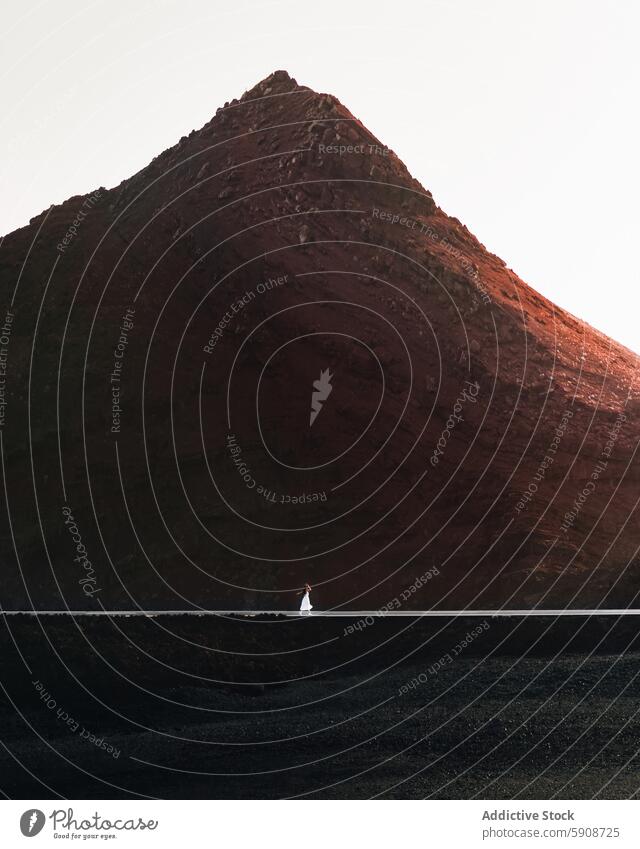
197 707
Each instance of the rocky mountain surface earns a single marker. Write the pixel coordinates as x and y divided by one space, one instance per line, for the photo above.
270 358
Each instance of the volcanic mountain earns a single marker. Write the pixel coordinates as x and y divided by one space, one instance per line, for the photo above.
270 358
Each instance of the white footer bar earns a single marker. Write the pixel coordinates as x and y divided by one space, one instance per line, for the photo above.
318 824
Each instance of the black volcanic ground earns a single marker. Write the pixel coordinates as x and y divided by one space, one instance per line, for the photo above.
203 707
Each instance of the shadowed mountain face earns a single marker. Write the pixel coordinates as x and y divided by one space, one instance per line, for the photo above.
270 358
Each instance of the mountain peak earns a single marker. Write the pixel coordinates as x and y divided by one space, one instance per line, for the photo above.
278 82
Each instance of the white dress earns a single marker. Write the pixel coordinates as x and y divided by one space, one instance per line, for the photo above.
305 604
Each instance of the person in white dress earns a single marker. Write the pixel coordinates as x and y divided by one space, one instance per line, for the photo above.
305 604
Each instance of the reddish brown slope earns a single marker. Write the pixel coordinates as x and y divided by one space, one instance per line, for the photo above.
467 414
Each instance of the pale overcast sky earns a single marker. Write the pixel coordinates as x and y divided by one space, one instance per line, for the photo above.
520 117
